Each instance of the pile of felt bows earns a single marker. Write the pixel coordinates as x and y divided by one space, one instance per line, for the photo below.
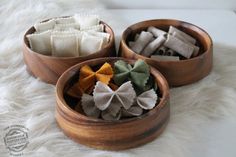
112 93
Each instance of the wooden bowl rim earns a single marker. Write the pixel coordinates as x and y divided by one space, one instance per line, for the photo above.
124 36
109 44
66 108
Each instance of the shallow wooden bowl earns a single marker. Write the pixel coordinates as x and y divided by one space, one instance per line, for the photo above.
111 135
49 68
180 72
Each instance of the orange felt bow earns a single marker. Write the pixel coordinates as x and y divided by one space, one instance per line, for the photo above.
88 77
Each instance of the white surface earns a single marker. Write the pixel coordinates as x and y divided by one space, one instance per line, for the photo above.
170 4
203 115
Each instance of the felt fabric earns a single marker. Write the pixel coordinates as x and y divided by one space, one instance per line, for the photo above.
156 32
147 100
85 45
64 46
86 20
66 26
152 46
165 58
105 97
182 48
142 40
172 29
65 20
138 74
44 26
87 77
132 111
106 115
88 106
40 42
96 28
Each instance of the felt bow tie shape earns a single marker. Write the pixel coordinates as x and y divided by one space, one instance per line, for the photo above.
114 104
138 74
106 98
88 77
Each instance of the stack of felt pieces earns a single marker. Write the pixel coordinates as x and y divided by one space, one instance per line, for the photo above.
73 36
114 93
160 45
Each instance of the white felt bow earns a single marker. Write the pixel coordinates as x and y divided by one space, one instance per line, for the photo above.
104 96
147 100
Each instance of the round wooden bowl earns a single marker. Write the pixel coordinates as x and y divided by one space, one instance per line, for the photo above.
50 68
180 72
105 134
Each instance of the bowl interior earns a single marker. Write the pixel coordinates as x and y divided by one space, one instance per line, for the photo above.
72 75
203 39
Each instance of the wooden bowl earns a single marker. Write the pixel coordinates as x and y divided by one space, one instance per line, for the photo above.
105 134
180 72
50 68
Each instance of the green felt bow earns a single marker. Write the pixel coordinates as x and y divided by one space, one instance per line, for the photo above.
138 74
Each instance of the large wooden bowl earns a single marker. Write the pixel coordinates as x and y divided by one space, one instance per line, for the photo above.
180 72
111 135
49 68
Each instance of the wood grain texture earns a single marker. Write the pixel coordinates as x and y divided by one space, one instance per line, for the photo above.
180 72
111 135
49 68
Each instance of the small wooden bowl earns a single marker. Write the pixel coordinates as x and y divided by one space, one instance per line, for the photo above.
111 135
50 68
180 72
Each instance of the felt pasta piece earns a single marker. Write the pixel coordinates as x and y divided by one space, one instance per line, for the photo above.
179 46
90 44
172 29
67 32
65 20
44 26
131 44
114 107
138 74
40 42
89 107
165 58
151 84
106 115
96 28
86 20
66 27
105 36
156 32
104 96
132 111
87 77
141 42
152 46
64 46
147 100
196 48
